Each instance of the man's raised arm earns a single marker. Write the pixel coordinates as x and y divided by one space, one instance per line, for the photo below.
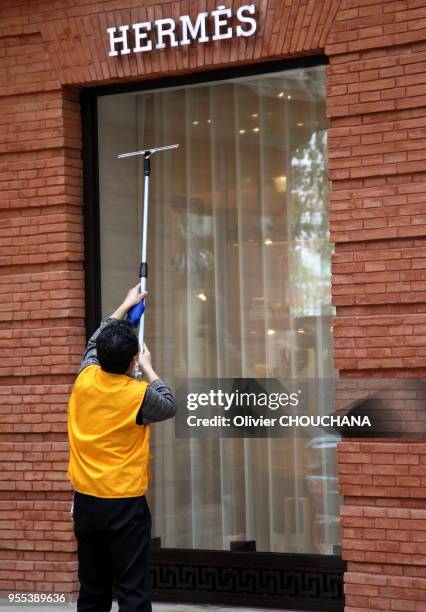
133 297
159 402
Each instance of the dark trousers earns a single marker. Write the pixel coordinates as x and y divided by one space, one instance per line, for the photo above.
113 538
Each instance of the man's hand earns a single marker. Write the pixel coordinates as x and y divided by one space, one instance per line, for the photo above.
146 365
132 298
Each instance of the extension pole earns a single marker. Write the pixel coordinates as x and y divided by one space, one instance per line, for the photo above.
143 270
136 314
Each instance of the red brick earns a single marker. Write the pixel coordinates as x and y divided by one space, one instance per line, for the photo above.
376 161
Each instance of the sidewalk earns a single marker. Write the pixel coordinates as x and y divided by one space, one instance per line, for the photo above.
155 608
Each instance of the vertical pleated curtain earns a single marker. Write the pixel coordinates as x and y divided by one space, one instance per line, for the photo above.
239 265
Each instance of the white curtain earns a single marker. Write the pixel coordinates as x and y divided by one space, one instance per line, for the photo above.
239 284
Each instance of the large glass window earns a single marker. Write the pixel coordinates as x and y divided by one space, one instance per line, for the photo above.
239 263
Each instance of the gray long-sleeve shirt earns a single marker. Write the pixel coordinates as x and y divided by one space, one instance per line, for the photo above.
159 402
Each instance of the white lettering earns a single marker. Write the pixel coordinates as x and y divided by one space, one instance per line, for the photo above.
324 421
165 27
140 35
294 399
249 421
192 403
216 421
172 33
250 9
188 26
220 12
203 399
114 40
229 400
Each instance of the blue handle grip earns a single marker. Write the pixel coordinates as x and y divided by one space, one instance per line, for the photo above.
135 313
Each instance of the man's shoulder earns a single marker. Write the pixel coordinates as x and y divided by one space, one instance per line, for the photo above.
86 372
89 368
137 384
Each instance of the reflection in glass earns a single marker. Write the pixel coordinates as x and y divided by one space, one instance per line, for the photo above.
239 286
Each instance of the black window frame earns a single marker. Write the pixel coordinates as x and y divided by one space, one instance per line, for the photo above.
295 581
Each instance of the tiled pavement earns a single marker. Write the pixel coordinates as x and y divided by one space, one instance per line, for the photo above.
188 608
156 608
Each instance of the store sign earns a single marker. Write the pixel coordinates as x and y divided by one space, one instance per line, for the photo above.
222 23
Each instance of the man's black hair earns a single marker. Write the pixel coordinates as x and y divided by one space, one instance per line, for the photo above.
116 346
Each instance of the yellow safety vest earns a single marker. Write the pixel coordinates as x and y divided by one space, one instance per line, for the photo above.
109 452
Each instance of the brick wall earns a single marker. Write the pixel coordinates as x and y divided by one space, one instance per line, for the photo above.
377 153
41 306
377 149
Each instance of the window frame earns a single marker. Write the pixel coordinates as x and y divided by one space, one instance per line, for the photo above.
301 566
91 211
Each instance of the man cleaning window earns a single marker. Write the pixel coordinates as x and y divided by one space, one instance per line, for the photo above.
109 416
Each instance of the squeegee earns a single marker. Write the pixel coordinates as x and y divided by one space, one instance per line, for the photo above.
136 314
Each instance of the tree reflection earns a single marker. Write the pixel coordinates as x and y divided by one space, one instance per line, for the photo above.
309 227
